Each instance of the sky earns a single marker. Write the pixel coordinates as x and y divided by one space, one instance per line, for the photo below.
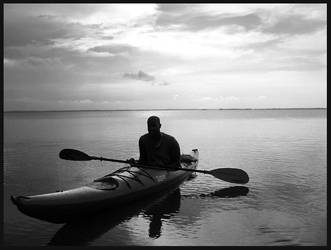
164 56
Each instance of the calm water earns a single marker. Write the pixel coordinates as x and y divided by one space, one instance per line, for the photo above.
283 151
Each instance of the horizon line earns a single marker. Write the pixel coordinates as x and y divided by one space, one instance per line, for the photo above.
161 109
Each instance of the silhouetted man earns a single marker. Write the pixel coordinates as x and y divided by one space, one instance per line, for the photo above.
157 148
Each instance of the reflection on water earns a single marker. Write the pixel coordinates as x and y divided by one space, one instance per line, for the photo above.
162 210
229 192
156 209
84 230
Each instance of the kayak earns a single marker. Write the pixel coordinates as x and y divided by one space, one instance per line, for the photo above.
127 184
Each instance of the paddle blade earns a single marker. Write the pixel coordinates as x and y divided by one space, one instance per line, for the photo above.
74 155
233 175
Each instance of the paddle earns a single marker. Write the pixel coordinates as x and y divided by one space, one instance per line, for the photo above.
233 175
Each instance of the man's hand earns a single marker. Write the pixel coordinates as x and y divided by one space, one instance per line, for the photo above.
131 161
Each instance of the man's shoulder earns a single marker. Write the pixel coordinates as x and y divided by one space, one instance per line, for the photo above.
143 137
168 137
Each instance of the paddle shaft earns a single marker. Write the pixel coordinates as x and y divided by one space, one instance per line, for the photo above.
147 166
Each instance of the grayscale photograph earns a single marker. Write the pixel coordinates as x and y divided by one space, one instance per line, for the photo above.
155 124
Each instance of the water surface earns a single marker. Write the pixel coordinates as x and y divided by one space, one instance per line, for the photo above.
283 151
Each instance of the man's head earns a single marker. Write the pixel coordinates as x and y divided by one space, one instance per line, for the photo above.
153 126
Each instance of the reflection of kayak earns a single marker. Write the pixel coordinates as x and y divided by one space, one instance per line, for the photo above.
122 186
89 228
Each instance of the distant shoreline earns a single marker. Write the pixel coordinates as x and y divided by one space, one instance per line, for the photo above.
202 109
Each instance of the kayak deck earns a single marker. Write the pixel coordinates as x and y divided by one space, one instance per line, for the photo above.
122 186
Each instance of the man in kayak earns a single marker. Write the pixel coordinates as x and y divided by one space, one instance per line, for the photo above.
157 148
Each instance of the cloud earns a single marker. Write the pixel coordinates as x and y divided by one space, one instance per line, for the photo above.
174 7
114 49
9 62
295 25
43 29
220 99
229 99
201 21
261 97
141 76
282 19
262 45
248 22
83 101
56 69
164 83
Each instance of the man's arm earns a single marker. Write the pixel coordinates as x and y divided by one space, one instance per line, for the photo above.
175 154
142 151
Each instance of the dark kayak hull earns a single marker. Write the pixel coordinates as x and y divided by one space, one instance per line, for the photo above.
109 192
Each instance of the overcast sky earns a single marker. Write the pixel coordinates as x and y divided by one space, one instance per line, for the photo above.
149 56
